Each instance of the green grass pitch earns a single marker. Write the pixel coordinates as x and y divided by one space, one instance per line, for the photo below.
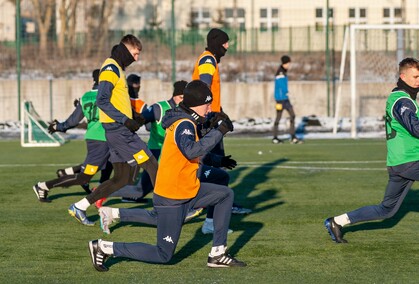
290 188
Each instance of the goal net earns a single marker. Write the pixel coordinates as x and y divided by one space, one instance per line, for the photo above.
375 52
34 130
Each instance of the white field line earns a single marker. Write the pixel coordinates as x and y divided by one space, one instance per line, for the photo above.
312 168
261 165
35 165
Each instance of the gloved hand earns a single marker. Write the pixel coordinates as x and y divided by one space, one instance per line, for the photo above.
228 163
225 126
216 118
131 125
139 118
76 102
52 128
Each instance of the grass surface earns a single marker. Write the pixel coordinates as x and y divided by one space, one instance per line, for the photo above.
290 188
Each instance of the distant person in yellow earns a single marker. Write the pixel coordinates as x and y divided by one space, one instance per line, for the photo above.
128 152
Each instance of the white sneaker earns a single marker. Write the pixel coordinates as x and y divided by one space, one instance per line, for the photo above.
208 228
106 219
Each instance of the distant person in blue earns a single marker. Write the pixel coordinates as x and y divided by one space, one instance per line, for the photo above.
283 102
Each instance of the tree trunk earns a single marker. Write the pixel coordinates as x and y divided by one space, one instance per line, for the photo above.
63 28
43 14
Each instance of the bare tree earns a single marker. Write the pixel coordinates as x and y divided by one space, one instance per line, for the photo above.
67 13
97 17
43 14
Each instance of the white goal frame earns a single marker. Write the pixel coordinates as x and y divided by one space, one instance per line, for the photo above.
26 131
353 46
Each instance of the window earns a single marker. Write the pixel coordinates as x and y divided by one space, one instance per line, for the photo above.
319 13
357 15
239 19
392 15
269 19
321 18
201 17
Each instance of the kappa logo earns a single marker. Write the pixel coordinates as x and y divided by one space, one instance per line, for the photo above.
208 61
187 132
207 173
208 99
403 109
168 239
109 68
140 157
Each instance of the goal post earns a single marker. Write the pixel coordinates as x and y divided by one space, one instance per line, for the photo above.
34 130
375 51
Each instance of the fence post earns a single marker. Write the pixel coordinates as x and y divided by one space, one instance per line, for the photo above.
18 65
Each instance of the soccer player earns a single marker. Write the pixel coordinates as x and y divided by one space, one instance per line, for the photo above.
97 148
178 188
206 69
283 101
128 152
402 127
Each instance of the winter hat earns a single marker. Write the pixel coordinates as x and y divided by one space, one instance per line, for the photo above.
196 93
95 76
215 40
133 79
179 87
285 59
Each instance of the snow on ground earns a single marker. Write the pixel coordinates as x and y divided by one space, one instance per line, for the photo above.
307 128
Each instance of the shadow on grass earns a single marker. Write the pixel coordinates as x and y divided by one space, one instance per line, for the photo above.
53 196
246 229
410 204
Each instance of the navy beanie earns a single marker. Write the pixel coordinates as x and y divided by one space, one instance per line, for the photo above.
196 93
179 87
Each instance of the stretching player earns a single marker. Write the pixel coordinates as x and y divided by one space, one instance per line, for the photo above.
128 152
178 188
402 127
97 148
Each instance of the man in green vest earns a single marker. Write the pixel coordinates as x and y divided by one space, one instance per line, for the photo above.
402 133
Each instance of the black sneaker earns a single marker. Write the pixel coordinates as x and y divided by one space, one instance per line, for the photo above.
224 260
42 194
133 200
334 230
61 173
98 256
275 140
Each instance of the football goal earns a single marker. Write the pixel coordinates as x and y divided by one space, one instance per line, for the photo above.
375 51
34 130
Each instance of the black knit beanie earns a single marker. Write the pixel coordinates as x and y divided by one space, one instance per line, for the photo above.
196 93
133 79
179 87
215 40
95 76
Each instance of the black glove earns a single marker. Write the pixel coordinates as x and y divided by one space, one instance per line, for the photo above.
228 162
216 118
76 102
139 118
132 125
225 126
52 128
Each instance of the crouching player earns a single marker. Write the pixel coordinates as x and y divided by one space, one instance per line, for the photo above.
178 188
